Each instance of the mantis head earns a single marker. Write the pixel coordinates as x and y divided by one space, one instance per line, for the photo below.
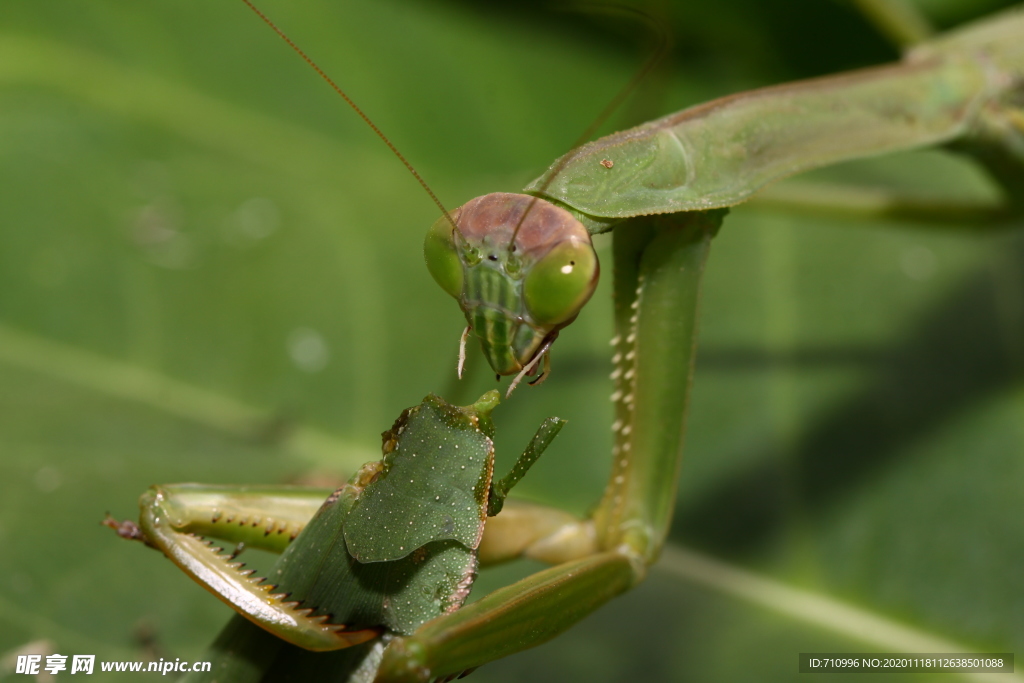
518 280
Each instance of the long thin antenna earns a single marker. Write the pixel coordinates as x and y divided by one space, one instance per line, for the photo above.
354 106
662 47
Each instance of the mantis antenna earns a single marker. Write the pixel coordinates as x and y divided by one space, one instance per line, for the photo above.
354 106
663 44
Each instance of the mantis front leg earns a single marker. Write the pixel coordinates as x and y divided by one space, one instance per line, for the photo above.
659 262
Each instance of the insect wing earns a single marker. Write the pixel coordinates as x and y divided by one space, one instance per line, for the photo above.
350 601
314 578
433 487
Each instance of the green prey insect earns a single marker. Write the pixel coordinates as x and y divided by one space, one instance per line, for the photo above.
391 549
522 267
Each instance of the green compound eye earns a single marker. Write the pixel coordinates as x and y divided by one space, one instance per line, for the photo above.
442 258
559 284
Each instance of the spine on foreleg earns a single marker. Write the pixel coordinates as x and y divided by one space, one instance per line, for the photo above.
659 262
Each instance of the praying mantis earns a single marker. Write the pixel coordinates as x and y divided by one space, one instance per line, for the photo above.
964 86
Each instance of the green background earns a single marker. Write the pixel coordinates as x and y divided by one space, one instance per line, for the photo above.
210 270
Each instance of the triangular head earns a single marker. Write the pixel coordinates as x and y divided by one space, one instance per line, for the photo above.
521 269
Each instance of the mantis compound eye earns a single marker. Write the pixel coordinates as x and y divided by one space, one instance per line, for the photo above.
562 281
442 257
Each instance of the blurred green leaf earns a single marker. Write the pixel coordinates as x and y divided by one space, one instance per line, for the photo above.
210 271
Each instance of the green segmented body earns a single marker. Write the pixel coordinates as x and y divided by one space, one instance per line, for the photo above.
394 548
421 510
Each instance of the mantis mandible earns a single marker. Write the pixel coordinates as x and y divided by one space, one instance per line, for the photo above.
682 170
